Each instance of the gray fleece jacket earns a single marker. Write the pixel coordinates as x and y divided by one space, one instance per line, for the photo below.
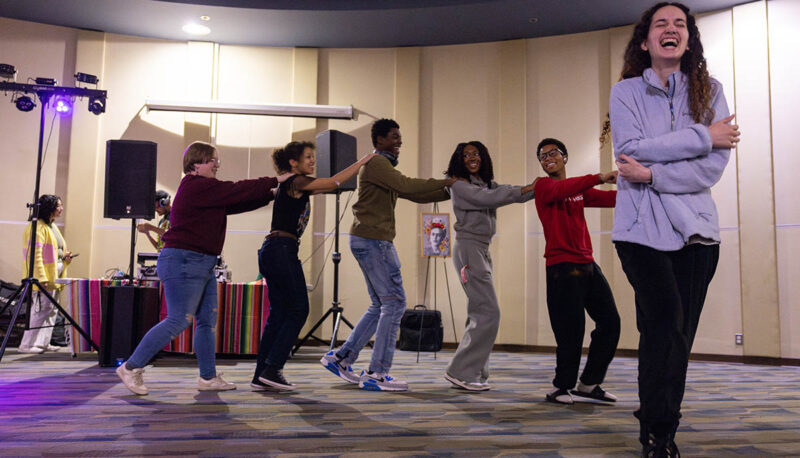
475 205
654 126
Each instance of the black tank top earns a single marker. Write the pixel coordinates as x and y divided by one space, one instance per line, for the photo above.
291 214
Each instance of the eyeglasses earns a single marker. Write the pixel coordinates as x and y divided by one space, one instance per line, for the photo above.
215 161
552 153
472 154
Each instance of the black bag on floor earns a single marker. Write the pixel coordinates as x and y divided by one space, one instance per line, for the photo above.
421 330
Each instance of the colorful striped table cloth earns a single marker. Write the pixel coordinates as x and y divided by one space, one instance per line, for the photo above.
241 315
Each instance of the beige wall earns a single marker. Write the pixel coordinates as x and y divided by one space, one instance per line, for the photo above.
508 95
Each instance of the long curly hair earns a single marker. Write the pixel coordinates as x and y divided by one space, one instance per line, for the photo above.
456 167
693 64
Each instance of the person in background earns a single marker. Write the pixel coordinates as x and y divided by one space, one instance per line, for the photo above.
50 261
278 261
163 208
476 198
672 137
186 263
575 282
371 236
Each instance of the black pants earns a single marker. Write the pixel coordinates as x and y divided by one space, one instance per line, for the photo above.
288 301
670 289
571 289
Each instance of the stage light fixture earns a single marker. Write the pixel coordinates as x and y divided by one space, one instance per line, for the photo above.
24 103
46 81
97 105
7 71
86 78
62 105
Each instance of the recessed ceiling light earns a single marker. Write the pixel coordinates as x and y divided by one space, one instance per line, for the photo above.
205 18
533 20
196 29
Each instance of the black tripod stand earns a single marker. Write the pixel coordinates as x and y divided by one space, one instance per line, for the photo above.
24 292
335 310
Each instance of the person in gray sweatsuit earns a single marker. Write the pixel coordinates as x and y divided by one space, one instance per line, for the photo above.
475 200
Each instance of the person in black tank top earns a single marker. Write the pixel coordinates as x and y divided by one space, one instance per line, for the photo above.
279 264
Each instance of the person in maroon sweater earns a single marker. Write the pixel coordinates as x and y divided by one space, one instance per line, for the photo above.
574 281
186 263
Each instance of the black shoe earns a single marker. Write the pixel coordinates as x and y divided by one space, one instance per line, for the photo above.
559 396
274 377
660 447
597 393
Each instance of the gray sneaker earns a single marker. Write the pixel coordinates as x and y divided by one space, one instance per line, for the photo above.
380 382
133 379
333 364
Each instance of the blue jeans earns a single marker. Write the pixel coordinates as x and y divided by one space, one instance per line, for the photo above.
191 292
381 267
288 301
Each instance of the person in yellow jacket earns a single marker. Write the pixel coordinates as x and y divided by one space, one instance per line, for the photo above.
49 262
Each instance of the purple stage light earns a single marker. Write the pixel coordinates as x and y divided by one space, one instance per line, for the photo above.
63 106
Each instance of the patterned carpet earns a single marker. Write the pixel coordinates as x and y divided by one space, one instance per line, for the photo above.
55 405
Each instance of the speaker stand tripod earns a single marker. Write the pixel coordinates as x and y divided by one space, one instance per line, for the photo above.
336 310
25 292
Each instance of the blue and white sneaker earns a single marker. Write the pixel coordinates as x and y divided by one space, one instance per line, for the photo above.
332 363
381 382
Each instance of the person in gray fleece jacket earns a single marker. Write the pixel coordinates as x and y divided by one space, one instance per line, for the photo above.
672 136
475 200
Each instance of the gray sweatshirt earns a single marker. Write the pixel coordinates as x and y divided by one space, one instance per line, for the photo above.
654 126
475 205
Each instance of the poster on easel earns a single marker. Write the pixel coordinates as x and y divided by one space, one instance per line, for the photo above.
435 232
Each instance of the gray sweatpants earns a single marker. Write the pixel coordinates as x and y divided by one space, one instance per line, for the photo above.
474 268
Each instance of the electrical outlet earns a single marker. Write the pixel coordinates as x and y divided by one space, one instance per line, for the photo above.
739 338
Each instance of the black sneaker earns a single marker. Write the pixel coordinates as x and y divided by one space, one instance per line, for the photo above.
274 377
658 447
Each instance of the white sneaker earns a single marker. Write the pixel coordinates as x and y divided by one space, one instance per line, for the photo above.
334 365
54 348
469 386
215 384
132 379
31 350
381 382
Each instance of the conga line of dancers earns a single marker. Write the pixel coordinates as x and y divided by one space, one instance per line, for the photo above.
672 134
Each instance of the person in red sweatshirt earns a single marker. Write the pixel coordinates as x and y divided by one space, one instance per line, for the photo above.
574 281
186 263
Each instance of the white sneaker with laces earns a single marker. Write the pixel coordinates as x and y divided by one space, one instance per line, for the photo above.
333 364
133 379
381 382
215 384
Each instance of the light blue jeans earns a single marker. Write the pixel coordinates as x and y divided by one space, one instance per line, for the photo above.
191 292
381 267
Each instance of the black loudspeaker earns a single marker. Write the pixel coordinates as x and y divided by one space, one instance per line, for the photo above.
130 179
128 312
335 152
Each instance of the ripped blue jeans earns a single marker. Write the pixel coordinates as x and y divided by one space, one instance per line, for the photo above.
381 267
191 293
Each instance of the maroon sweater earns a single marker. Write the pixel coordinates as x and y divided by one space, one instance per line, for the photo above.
199 211
560 206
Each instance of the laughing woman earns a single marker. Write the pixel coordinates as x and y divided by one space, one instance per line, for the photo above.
475 201
278 261
672 137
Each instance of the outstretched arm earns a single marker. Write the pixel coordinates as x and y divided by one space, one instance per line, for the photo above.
320 185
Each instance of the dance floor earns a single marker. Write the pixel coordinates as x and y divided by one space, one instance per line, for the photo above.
55 405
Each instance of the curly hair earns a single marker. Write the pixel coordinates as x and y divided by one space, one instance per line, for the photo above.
48 203
693 64
456 167
381 128
292 151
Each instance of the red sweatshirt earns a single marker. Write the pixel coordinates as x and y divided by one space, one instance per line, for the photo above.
560 206
199 212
